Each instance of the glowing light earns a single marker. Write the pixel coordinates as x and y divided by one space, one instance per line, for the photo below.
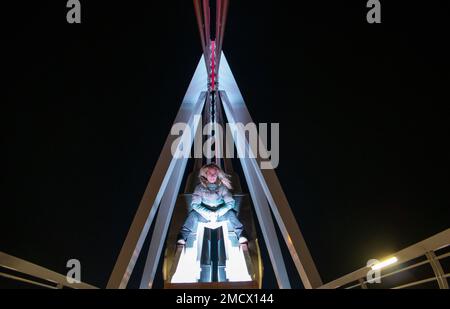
188 268
385 263
213 64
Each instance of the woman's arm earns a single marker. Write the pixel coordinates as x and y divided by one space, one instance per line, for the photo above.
197 205
228 200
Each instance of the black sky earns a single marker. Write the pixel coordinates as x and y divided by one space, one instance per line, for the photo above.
362 111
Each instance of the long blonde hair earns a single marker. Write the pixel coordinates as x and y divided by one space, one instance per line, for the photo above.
222 177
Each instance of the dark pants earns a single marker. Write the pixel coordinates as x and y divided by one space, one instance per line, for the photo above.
191 222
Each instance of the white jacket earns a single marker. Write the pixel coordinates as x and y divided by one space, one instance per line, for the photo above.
212 198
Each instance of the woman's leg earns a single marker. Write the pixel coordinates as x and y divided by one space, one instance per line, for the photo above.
230 215
190 224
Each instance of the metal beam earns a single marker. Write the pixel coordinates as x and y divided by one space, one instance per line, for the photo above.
218 21
271 186
30 269
201 29
156 185
437 269
260 203
207 20
207 135
223 21
433 243
164 217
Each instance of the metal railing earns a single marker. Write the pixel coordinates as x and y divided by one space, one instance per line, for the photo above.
426 248
29 273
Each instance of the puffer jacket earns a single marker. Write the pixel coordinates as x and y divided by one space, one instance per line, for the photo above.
212 197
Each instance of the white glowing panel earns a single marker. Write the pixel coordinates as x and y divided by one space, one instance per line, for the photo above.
188 268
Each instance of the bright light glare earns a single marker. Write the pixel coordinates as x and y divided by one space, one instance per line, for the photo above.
188 268
385 263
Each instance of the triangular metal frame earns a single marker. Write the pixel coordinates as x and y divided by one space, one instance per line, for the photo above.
164 185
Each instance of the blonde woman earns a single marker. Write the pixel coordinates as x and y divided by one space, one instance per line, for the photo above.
212 201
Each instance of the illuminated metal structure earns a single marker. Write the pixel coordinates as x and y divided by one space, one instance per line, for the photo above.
213 92
212 88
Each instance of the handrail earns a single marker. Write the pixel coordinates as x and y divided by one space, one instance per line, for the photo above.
442 256
418 282
393 273
423 248
24 267
16 278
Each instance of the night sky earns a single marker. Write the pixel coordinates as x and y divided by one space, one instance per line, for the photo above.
362 108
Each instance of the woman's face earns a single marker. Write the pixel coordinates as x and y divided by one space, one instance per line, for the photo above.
211 175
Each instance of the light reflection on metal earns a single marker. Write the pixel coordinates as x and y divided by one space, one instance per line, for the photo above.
156 186
264 187
267 179
385 263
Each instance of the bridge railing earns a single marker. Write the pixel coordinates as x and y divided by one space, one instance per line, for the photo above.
19 270
430 251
